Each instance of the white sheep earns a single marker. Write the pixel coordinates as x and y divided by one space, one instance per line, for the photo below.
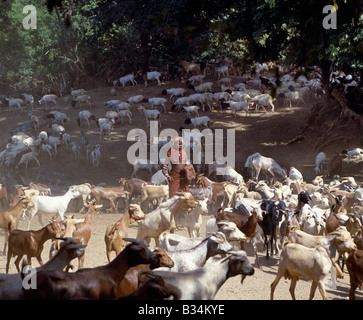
203 87
150 115
292 96
76 149
200 98
54 142
58 129
180 102
198 121
48 98
130 77
58 117
198 78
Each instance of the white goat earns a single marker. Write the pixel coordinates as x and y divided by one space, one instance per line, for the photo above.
257 162
105 127
135 99
158 102
175 92
263 100
198 121
30 156
96 155
82 100
203 283
48 98
191 109
193 219
130 77
358 152
150 115
56 205
125 113
16 103
28 99
320 159
239 105
153 75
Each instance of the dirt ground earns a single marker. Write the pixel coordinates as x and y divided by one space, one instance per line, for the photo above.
258 133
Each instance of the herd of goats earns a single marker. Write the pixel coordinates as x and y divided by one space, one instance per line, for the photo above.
319 224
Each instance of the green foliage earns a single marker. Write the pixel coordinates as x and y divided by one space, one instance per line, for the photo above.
81 40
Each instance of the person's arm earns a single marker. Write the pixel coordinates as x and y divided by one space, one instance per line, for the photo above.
165 170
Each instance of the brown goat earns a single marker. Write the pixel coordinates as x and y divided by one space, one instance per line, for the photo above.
133 185
247 224
42 188
130 282
110 194
217 187
151 287
9 218
102 282
30 243
83 232
335 166
116 232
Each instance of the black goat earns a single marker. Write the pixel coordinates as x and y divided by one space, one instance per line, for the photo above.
272 215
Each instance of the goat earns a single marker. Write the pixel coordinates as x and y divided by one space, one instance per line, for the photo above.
12 284
16 103
96 155
272 215
135 99
48 98
85 116
191 109
130 77
163 217
83 232
156 102
109 193
9 218
153 75
257 162
116 232
134 287
174 92
56 205
4 195
198 121
355 270
82 100
193 219
30 243
105 126
28 99
354 152
190 259
263 100
236 106
246 224
335 166
151 193
203 283
92 283
25 158
189 67
150 115
315 263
